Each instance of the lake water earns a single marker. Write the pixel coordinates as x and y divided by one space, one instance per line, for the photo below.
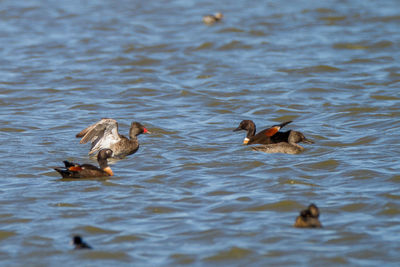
193 194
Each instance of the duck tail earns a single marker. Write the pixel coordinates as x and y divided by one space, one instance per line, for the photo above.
283 124
64 173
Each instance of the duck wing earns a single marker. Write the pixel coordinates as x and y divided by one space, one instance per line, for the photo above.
273 129
102 134
267 136
70 164
89 167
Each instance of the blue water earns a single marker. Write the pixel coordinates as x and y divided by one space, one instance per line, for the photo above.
193 194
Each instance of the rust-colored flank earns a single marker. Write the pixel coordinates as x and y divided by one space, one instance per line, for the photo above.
272 131
75 168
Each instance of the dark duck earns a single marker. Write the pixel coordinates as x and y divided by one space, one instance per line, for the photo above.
267 136
104 134
308 218
79 243
75 170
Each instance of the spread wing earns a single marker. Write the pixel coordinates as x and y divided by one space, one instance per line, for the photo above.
102 134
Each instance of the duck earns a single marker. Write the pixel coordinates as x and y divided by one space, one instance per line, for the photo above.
78 242
104 134
75 170
267 136
308 218
289 147
211 19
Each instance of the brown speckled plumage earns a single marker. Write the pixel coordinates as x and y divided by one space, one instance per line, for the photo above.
288 147
104 134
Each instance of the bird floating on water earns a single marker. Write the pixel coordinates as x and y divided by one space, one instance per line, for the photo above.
308 218
104 134
211 19
79 243
75 170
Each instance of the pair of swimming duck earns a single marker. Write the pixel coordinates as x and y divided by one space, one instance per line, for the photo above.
308 218
272 140
109 143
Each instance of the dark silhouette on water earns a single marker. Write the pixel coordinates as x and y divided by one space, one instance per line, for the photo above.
79 243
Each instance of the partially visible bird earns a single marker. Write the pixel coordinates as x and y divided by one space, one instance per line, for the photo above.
79 243
308 218
211 19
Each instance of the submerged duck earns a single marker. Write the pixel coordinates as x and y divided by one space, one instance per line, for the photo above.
211 19
79 243
75 170
308 218
289 147
267 136
104 134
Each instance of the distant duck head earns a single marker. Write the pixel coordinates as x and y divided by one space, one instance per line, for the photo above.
297 137
136 129
211 19
249 126
78 243
308 218
102 157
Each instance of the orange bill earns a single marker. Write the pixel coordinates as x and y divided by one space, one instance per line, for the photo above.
108 170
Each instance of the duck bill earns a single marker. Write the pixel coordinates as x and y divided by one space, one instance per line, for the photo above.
237 129
246 141
146 131
109 171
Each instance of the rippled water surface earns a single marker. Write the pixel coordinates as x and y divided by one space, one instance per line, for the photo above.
193 194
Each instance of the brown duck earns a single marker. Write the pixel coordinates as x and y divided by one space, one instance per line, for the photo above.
104 134
211 19
308 218
289 147
75 170
267 136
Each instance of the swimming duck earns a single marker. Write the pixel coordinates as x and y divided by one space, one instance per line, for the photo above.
104 134
75 170
308 218
267 136
211 19
79 243
289 147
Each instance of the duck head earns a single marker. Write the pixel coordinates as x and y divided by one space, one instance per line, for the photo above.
249 126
